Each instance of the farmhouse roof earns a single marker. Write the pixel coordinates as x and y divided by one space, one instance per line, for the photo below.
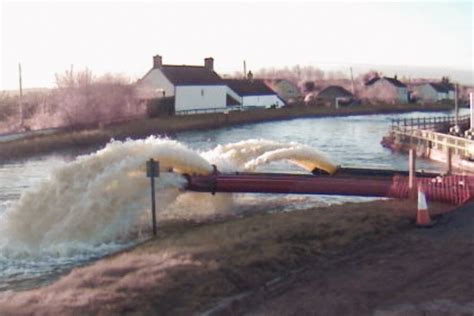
190 75
334 91
245 87
442 86
393 81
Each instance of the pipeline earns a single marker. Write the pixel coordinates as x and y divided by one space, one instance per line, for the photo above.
347 181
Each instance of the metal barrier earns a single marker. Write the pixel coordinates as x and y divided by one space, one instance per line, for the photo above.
209 110
428 123
462 147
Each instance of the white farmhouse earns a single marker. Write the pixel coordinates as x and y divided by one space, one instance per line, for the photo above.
196 88
253 93
435 91
386 89
286 90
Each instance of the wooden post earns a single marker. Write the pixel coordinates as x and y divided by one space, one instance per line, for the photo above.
20 100
152 171
352 82
456 108
449 160
471 107
411 169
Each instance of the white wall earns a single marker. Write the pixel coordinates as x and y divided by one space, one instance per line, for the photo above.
233 94
426 93
402 95
153 85
262 100
200 97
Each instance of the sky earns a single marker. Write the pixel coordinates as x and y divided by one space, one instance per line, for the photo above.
411 38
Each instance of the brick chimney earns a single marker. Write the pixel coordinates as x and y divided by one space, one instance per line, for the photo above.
157 61
209 63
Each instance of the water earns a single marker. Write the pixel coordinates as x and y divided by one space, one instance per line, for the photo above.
57 211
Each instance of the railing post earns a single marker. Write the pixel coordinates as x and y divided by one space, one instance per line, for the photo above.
449 162
411 168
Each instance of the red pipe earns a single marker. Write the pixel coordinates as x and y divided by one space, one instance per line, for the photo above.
285 183
355 182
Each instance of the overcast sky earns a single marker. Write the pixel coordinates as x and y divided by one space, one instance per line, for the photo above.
410 37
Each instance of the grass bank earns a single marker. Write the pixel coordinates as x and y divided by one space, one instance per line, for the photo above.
41 144
191 267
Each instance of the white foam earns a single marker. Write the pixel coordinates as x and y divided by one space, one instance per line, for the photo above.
103 197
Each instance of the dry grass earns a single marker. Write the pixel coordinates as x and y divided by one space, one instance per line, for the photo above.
191 266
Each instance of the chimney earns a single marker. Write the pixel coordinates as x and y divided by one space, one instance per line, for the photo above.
157 61
209 63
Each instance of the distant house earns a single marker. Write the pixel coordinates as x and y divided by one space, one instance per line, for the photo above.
190 87
253 93
335 95
386 89
435 91
286 90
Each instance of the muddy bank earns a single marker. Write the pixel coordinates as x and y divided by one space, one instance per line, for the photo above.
191 267
41 144
417 272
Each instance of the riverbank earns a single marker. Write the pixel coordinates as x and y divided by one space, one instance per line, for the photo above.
195 267
42 144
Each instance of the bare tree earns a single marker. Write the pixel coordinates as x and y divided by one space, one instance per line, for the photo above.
86 100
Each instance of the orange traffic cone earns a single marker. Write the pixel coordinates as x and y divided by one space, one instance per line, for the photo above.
423 216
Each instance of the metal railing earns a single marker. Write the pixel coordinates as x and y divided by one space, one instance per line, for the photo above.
462 147
209 110
428 123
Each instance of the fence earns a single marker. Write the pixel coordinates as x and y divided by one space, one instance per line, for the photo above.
208 110
462 147
428 123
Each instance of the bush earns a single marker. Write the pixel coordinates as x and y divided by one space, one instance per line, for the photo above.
85 100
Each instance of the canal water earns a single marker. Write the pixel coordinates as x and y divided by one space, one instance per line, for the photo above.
65 209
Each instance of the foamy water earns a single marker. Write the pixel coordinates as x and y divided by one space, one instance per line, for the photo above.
99 203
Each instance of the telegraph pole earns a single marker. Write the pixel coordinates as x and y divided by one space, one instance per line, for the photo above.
352 81
456 107
20 100
245 69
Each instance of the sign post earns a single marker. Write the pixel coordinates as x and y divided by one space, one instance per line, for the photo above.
152 171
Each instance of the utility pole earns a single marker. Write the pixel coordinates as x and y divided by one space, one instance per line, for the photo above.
20 100
352 81
471 107
456 108
245 69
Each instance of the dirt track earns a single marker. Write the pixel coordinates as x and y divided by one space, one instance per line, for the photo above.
417 272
